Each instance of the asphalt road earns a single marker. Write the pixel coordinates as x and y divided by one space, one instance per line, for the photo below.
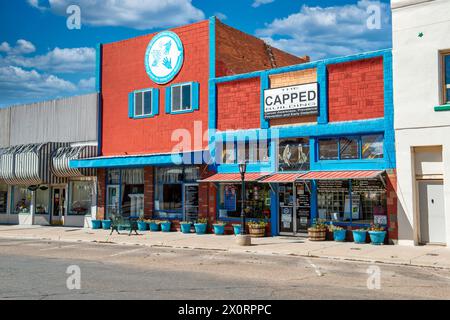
32 269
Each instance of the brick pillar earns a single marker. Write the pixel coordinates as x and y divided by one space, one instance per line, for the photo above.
391 189
101 193
149 192
207 197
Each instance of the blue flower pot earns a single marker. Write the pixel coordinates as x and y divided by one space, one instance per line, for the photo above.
106 224
186 228
165 226
359 236
142 226
96 224
237 229
154 226
377 237
200 228
339 235
219 229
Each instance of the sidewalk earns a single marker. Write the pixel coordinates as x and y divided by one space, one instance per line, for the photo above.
425 256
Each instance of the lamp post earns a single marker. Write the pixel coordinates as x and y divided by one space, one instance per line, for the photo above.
242 170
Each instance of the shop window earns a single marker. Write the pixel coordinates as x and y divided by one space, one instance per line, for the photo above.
81 197
257 200
372 146
3 198
42 200
143 103
182 98
113 176
250 151
228 152
293 154
446 77
328 149
22 200
348 148
132 192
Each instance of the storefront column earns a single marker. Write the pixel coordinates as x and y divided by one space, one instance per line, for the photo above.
391 195
149 192
101 194
314 210
274 209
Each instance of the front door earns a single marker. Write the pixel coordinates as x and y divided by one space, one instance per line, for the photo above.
58 206
295 208
431 212
286 202
191 205
112 200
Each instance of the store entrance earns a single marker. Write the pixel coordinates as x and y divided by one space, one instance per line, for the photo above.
294 198
58 206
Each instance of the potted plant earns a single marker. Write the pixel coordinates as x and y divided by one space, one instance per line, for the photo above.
377 234
219 228
186 227
318 231
106 224
237 229
142 224
165 226
96 224
257 229
201 225
154 225
338 233
359 235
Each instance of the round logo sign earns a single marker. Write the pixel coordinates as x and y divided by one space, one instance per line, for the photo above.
164 57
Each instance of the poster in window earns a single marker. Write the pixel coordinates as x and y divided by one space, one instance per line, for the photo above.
230 198
293 154
355 207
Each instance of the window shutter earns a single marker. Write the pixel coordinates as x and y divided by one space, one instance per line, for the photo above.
195 96
131 105
168 100
155 102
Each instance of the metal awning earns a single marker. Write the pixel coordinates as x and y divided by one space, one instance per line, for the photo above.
62 157
234 177
282 178
341 175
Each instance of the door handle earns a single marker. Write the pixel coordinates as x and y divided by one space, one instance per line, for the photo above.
432 201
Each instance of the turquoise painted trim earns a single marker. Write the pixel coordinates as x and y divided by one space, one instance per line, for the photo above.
155 102
154 106
274 211
195 98
389 133
168 107
264 86
322 79
212 47
314 202
131 105
212 125
445 107
98 85
195 87
251 168
98 67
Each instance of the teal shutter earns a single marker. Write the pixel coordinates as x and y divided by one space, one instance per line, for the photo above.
168 100
131 105
155 102
195 96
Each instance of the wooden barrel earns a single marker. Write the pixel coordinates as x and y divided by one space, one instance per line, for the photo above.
257 232
317 235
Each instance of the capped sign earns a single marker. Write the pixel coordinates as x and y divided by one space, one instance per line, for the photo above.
291 101
164 57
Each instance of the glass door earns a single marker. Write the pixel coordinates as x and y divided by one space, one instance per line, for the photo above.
112 200
286 201
58 205
191 205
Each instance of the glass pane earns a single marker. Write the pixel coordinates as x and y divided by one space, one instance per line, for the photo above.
187 97
169 175
3 198
328 149
448 95
147 103
176 98
171 197
372 147
42 201
138 104
133 176
132 200
294 154
447 69
113 176
22 200
349 148
81 197
369 202
333 200
228 152
191 174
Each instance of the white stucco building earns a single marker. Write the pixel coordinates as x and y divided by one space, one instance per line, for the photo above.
421 58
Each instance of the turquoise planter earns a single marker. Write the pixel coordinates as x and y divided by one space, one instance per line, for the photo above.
339 235
96 224
165 226
154 226
237 230
359 236
219 229
106 224
186 228
377 237
142 226
200 228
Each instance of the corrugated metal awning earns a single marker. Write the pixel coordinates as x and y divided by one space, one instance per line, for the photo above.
282 178
341 175
234 177
62 156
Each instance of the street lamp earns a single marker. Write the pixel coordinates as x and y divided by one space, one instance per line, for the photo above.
242 170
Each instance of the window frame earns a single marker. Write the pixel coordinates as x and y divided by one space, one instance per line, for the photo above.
359 139
143 92
181 110
444 86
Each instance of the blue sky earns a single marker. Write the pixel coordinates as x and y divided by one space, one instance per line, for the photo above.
40 58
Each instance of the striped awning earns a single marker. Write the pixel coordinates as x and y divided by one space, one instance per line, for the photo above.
282 178
234 177
62 156
340 175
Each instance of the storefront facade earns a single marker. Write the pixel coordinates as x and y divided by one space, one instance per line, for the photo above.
37 186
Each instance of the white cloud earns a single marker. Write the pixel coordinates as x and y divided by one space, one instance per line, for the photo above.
221 16
22 47
257 3
137 14
87 84
329 31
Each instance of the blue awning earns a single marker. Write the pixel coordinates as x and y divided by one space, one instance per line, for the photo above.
130 161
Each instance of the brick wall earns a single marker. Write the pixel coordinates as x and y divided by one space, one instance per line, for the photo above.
101 193
149 192
238 104
391 185
356 90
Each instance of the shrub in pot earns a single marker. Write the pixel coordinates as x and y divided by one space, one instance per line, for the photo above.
201 225
96 224
186 227
154 225
318 231
106 224
142 225
339 233
237 229
257 229
165 226
359 235
377 234
219 228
